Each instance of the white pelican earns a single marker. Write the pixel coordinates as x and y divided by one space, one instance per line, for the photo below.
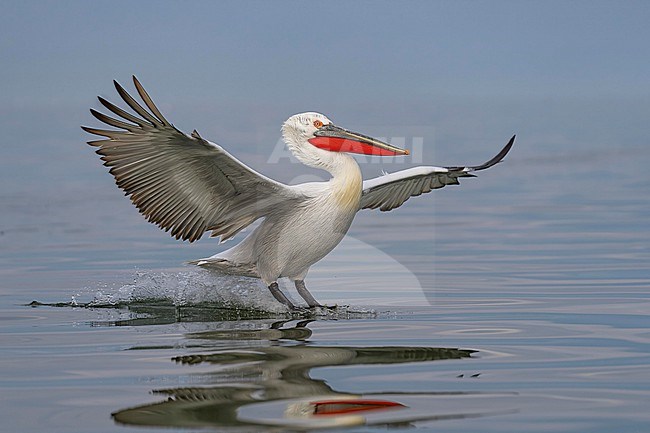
188 185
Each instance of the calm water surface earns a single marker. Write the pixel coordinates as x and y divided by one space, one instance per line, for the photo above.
516 302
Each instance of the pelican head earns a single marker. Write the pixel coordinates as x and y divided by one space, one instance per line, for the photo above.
312 138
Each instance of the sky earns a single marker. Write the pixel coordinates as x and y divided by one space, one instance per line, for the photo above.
456 75
368 49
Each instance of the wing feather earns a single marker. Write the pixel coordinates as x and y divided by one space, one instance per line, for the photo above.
124 114
149 102
136 106
390 191
183 183
111 121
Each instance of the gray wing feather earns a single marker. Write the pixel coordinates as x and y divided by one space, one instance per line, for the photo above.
184 184
390 191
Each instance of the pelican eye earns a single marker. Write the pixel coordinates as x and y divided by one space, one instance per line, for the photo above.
318 124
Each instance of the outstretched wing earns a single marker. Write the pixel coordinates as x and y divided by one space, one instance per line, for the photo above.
183 183
392 190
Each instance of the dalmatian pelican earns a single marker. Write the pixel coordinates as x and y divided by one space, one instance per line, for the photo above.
188 185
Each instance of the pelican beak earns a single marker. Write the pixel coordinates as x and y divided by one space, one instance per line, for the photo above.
335 139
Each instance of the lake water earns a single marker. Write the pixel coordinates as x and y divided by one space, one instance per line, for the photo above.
518 301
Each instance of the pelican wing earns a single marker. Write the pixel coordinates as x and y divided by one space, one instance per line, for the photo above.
184 184
392 190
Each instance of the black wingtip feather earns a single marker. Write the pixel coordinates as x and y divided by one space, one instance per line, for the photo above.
149 102
499 156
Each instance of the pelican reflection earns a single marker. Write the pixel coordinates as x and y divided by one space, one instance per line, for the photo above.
273 365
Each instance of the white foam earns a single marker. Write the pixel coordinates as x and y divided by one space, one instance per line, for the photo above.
192 287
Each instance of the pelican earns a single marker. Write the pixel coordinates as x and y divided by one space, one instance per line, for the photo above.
188 185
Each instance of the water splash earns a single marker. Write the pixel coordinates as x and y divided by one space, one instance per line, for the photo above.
191 287
197 293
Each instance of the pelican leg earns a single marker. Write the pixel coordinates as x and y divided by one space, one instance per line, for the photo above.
304 293
277 294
